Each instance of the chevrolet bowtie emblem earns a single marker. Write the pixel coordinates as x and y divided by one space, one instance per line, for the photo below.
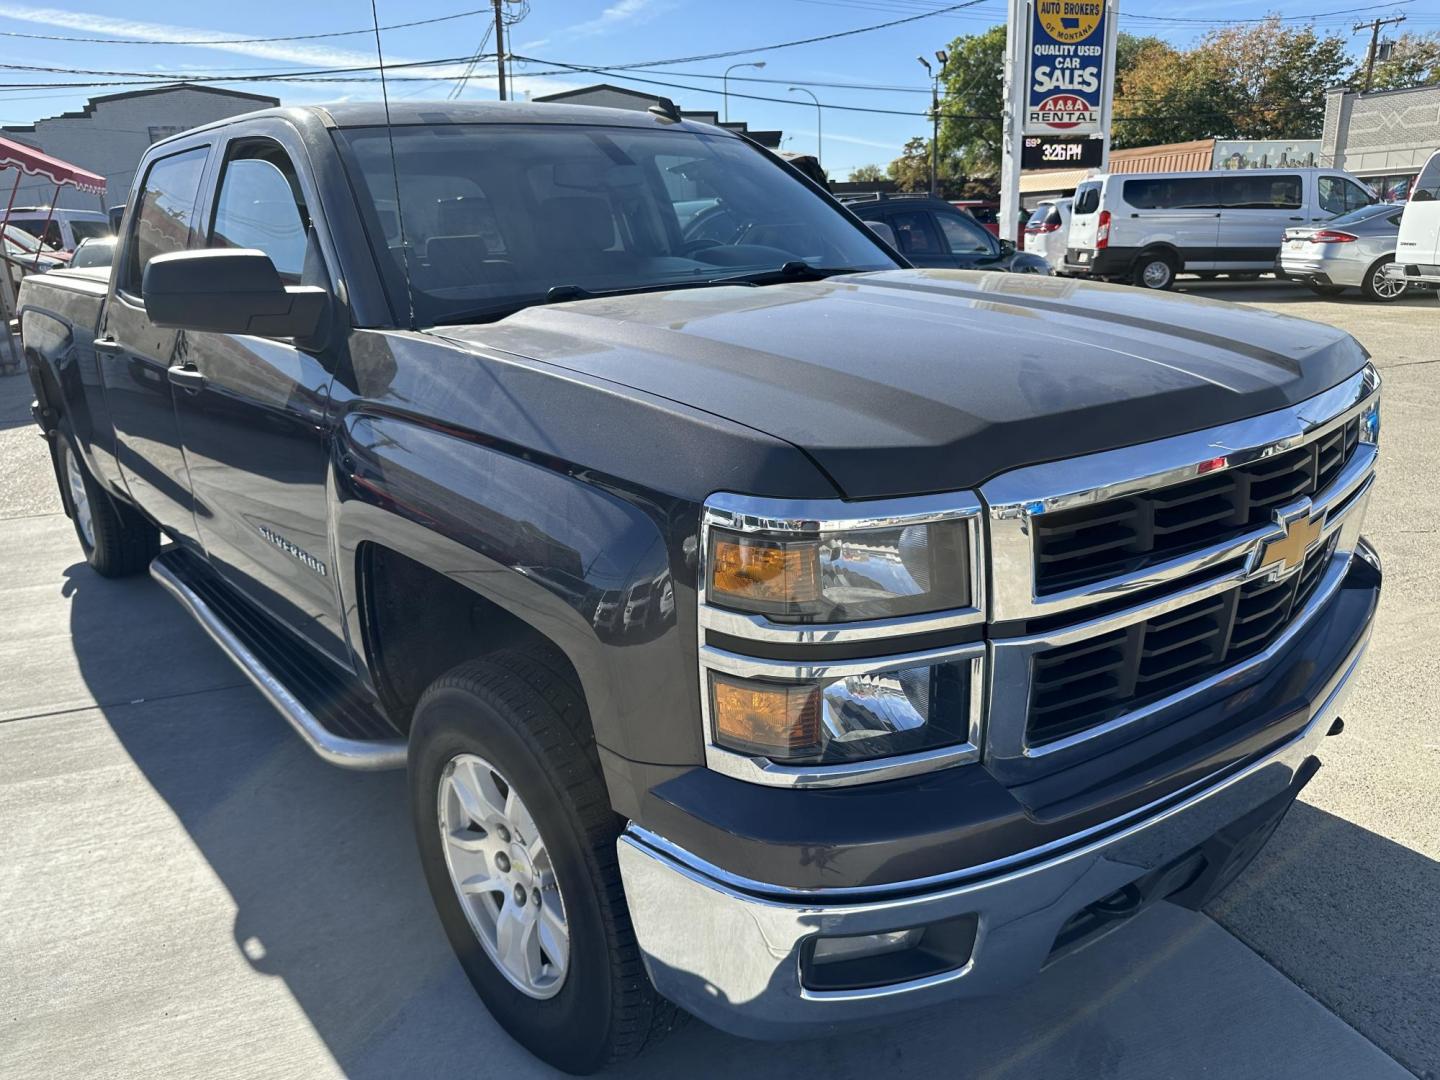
1286 554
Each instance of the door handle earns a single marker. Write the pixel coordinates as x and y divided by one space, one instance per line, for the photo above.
108 345
1297 219
187 378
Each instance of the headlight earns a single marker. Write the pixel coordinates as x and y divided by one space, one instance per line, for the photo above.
1370 424
843 576
844 719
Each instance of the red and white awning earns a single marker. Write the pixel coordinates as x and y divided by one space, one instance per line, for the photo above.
14 155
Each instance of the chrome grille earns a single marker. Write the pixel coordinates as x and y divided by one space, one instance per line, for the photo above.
1080 686
1087 544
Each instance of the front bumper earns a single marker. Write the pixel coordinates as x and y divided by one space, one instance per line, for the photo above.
734 951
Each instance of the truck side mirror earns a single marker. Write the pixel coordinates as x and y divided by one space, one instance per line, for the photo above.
230 291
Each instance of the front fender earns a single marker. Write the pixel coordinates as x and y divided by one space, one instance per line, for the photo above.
602 572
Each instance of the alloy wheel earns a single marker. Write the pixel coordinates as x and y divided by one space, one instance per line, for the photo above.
503 875
1156 274
1384 286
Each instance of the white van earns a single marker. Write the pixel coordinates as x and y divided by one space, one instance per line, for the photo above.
1145 228
63 228
1417 251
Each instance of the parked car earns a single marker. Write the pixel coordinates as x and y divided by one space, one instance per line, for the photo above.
1354 250
94 251
931 232
1048 231
61 228
1145 228
1417 251
770 630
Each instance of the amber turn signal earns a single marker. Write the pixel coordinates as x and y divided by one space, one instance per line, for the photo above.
773 719
744 568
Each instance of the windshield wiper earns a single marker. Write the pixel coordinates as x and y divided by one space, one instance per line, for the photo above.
794 270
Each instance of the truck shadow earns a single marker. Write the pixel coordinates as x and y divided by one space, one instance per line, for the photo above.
329 898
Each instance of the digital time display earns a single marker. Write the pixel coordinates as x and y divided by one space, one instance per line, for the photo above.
1059 152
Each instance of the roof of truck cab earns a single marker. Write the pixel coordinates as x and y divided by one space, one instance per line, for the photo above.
408 114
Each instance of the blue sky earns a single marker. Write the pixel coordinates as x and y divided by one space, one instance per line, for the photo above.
584 32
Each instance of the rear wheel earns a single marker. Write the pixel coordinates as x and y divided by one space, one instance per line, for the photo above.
517 840
1154 270
1380 288
1324 290
116 539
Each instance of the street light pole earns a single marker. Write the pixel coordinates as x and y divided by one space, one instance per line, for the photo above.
819 144
725 82
936 74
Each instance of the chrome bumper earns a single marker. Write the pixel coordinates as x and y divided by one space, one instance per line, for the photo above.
729 951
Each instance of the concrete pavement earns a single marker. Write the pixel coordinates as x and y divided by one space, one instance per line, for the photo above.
184 890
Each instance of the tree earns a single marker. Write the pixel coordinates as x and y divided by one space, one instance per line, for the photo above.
866 174
1258 81
971 102
1414 61
911 170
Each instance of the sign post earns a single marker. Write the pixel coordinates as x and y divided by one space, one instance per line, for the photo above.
1059 83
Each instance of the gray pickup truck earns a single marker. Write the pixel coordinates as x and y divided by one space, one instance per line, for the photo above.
772 631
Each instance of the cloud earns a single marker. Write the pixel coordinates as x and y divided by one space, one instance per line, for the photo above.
854 139
297 53
617 14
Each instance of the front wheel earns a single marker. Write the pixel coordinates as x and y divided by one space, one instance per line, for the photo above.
116 539
1154 270
517 840
1380 288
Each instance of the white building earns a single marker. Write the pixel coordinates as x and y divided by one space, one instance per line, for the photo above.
109 135
1383 137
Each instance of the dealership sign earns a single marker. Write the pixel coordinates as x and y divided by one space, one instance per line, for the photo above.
1065 67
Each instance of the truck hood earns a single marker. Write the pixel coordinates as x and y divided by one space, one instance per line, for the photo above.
914 381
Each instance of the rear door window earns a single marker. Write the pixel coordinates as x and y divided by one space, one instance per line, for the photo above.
1261 192
1172 193
164 213
1087 199
915 233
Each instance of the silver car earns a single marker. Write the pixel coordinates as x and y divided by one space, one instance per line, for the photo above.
1350 251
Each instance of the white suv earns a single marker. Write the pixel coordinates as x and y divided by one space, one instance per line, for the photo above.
1417 251
1147 227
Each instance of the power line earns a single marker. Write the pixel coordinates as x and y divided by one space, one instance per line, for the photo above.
1268 18
239 41
802 41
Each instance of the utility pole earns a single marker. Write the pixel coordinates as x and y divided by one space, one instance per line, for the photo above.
935 77
1374 25
500 43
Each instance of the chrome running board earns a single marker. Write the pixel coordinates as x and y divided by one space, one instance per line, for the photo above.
347 753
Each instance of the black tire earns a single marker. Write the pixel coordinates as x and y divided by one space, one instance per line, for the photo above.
1154 270
1248 276
1376 276
122 541
1324 290
517 711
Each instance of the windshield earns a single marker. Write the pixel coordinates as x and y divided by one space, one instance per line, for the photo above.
1365 213
497 215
